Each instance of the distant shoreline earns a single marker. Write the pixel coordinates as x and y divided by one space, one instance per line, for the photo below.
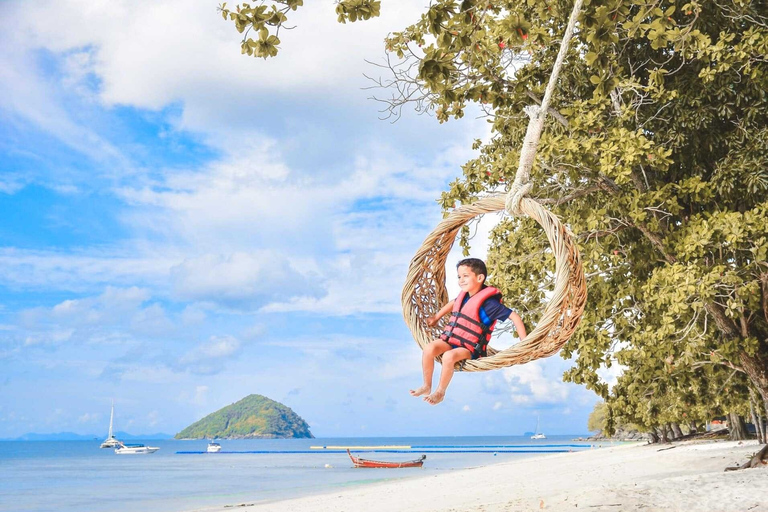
629 477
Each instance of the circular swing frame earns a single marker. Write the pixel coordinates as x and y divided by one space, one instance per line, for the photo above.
425 293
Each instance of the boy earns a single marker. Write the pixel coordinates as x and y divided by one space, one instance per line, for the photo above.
474 314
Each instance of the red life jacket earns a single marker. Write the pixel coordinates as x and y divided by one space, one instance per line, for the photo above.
465 329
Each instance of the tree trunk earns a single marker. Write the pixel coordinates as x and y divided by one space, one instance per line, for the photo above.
692 427
765 424
670 433
653 437
756 368
757 417
756 460
676 430
663 434
757 421
736 426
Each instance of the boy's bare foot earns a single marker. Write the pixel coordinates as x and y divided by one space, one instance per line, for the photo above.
423 390
435 398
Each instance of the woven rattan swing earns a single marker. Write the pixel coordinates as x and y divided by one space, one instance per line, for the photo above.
424 292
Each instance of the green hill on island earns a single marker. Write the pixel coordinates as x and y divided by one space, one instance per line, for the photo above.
253 417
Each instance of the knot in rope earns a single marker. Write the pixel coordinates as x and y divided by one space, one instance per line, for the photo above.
515 196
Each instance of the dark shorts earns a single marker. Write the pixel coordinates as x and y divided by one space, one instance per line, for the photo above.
474 356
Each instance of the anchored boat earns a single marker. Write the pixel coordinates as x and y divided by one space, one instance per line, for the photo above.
135 449
366 463
537 434
111 441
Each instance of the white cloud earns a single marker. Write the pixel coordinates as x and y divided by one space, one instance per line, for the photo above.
193 314
242 279
11 184
32 269
497 406
112 306
466 408
149 54
53 337
152 320
210 357
118 316
529 384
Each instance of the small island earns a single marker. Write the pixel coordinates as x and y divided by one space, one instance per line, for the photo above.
253 417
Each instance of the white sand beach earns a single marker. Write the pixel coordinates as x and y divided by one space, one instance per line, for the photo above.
686 476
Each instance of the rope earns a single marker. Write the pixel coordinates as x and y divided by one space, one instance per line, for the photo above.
537 116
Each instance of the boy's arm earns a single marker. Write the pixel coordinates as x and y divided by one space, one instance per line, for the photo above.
519 325
432 320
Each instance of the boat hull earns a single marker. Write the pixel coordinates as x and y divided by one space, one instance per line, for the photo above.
366 463
142 450
110 443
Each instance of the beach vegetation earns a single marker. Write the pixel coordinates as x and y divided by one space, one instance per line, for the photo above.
655 155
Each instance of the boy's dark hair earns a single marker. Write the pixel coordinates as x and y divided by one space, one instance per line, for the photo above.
476 264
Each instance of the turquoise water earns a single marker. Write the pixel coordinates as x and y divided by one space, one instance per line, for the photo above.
71 476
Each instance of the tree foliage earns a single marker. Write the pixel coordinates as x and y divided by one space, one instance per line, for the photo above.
598 418
267 18
655 155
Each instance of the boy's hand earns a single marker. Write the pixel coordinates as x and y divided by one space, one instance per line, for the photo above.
432 321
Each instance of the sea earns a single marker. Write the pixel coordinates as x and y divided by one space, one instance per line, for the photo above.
69 476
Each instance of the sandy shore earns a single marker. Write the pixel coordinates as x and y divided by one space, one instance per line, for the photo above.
687 477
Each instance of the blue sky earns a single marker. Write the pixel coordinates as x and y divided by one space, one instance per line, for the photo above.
181 226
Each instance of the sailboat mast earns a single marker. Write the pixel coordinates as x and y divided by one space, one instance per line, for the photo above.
111 417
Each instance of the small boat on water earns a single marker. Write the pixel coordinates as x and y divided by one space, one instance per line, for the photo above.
537 434
213 447
366 463
135 449
111 441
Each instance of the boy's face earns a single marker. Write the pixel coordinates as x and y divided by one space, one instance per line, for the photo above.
468 280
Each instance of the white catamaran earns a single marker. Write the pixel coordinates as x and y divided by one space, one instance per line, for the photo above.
111 441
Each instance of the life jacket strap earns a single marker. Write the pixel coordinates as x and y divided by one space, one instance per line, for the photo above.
469 319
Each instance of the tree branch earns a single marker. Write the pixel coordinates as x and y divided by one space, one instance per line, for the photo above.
554 113
725 324
557 201
656 240
764 288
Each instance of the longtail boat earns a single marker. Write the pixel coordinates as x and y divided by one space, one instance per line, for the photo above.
366 463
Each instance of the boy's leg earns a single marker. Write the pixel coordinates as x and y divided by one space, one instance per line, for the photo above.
450 358
428 356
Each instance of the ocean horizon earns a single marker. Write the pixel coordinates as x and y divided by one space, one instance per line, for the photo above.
69 476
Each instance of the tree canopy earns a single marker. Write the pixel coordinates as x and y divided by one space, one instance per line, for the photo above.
655 155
